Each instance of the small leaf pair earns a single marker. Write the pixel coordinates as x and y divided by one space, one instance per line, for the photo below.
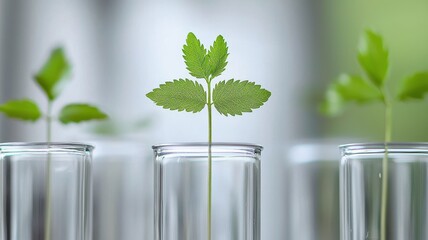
232 97
202 64
373 57
52 79
25 109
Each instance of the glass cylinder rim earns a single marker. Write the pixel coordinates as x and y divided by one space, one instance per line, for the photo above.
205 144
17 146
380 147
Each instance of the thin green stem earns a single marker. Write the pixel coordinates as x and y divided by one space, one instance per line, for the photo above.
49 122
48 193
209 160
388 121
384 196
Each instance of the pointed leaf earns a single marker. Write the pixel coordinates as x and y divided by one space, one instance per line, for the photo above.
235 97
414 87
181 94
79 112
347 89
217 56
53 75
23 109
195 57
373 57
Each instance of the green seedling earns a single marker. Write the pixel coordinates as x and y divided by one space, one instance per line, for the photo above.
373 57
52 77
231 97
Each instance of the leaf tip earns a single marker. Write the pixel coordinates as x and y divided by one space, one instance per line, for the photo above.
150 94
268 93
191 34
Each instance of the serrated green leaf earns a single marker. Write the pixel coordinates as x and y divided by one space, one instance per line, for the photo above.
235 97
347 89
23 109
79 112
181 94
414 87
195 57
217 56
373 57
53 75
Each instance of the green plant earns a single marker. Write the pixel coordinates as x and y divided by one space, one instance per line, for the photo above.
232 97
52 77
373 57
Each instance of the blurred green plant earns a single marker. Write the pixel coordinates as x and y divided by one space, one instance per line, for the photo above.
111 128
373 57
52 78
232 97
